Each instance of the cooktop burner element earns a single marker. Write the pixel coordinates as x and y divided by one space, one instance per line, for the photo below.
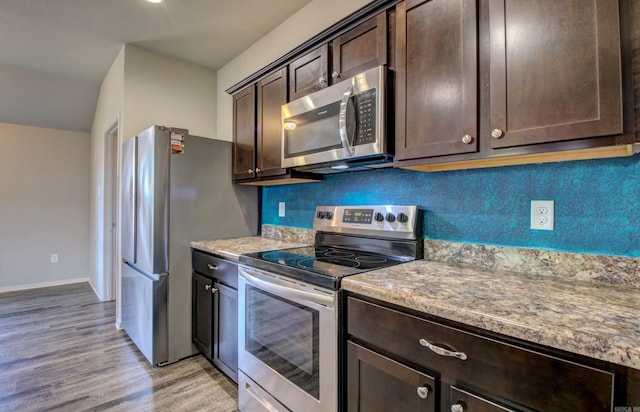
349 240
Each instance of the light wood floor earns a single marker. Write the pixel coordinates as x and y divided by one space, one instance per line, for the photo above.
60 350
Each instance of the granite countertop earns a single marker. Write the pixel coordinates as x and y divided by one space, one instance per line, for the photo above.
599 321
233 248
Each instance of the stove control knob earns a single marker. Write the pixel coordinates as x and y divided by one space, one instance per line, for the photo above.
320 214
391 217
379 217
402 218
328 215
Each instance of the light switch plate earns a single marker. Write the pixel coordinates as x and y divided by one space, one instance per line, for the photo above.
281 209
542 214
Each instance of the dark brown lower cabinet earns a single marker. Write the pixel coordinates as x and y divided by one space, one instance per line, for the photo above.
215 311
202 314
225 330
377 383
397 360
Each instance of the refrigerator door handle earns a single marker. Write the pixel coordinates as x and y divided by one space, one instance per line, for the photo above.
152 276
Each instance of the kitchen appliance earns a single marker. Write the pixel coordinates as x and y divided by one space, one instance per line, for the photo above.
341 127
175 188
289 306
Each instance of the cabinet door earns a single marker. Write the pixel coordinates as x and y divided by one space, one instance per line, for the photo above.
436 78
202 311
225 352
555 70
309 72
360 49
466 401
272 94
244 134
376 383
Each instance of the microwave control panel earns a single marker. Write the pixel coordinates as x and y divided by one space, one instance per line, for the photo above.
365 106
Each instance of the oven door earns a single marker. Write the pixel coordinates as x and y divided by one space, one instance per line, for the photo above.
287 343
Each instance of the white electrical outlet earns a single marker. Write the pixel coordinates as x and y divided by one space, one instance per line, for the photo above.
281 209
54 258
542 214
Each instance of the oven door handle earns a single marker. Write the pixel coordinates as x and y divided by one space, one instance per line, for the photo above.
287 292
342 122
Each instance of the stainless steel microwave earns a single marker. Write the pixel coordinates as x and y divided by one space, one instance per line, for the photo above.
341 127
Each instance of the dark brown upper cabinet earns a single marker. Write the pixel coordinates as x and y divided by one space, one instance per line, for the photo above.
361 48
257 131
272 94
309 72
436 78
244 134
497 82
555 71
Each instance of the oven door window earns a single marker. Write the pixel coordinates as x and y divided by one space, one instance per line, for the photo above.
285 336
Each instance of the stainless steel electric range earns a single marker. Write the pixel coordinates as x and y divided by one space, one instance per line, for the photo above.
289 304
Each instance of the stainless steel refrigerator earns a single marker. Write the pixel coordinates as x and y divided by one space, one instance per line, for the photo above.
176 188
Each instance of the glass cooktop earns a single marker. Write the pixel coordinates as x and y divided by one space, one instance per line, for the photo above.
320 265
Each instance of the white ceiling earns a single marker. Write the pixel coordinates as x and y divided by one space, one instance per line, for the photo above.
55 53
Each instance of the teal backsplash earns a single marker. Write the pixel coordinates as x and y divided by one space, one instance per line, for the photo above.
596 203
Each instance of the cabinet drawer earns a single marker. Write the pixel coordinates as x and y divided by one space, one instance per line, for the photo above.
502 370
224 270
471 402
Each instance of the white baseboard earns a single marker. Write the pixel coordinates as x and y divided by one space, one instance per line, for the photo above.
39 285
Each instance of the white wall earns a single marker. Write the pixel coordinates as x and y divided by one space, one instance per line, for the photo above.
61 102
44 206
165 91
108 112
312 19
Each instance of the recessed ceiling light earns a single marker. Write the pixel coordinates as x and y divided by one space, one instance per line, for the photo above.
154 1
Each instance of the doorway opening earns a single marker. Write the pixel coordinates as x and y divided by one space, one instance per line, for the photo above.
111 209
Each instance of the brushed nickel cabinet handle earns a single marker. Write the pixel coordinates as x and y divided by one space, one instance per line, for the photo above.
442 351
497 133
212 267
423 392
467 139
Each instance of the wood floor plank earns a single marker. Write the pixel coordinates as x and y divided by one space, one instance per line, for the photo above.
60 351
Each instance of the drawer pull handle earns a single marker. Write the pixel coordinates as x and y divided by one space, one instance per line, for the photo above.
423 392
442 351
212 267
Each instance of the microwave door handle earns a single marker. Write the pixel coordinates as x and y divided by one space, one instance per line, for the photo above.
342 122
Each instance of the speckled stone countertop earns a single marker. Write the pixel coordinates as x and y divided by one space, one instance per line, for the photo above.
233 248
596 320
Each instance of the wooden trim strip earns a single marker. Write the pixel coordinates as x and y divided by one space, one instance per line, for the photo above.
562 156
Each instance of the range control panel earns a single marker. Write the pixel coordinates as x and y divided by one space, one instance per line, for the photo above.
384 221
